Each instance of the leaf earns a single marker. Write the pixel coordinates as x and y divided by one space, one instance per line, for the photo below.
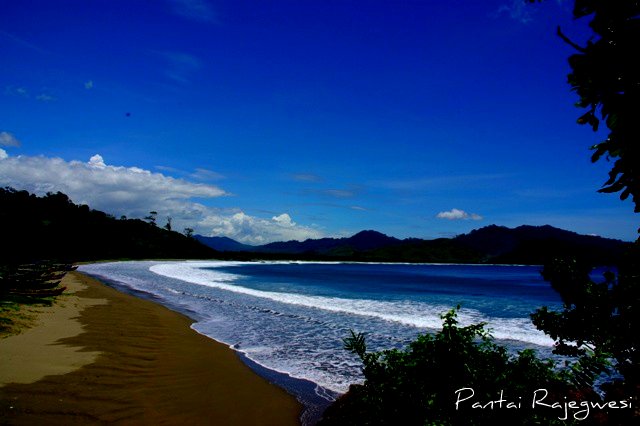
356 344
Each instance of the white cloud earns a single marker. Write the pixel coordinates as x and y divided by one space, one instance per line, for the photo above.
134 192
252 230
457 214
100 185
97 162
284 220
7 139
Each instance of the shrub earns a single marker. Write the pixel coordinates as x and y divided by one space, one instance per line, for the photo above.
421 384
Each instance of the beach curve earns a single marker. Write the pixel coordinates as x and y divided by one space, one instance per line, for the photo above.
131 361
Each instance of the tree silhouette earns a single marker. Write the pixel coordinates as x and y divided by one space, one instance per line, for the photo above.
599 321
606 76
152 217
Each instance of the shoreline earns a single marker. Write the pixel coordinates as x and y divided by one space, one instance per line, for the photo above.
313 397
224 294
142 363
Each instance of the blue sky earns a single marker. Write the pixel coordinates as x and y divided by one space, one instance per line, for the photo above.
272 120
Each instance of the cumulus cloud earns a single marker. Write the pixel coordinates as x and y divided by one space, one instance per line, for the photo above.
457 214
7 139
284 220
252 230
134 192
100 185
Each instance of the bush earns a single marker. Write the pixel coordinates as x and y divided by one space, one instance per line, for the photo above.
421 384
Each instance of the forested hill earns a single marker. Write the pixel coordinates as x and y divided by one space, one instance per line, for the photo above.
54 228
536 244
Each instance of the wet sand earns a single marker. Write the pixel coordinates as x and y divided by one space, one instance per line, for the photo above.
101 356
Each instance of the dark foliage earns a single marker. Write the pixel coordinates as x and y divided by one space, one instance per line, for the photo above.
417 386
599 321
606 76
52 227
598 324
30 283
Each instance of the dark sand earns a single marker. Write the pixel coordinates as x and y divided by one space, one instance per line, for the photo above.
134 362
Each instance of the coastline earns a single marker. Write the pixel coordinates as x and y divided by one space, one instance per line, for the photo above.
130 360
280 332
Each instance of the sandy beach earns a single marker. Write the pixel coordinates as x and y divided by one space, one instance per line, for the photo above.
101 356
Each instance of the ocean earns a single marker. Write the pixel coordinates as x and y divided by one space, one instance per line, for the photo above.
288 320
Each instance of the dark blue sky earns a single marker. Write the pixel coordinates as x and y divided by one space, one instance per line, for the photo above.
265 120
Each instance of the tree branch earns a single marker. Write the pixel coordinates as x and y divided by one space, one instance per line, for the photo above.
569 42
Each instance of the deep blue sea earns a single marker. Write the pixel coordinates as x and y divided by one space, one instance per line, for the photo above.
291 317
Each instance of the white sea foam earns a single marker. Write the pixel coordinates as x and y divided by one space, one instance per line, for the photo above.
409 313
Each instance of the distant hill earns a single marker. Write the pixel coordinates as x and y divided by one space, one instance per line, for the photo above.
491 244
536 244
223 243
54 228
362 241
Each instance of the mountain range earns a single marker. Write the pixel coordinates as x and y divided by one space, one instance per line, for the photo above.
53 227
491 244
